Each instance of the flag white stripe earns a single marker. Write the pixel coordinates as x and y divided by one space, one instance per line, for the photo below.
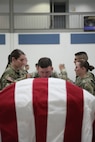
56 110
56 115
88 116
24 111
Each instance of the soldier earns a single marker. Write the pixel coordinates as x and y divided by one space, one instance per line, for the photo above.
83 79
23 70
63 73
45 69
26 68
13 71
35 73
83 55
80 55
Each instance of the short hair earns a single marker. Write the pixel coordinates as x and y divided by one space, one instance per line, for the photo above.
44 62
36 64
82 55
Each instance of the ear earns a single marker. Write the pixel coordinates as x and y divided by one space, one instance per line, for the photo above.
52 68
13 59
83 68
37 68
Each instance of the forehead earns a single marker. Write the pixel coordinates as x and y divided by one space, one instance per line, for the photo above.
22 57
49 68
77 64
77 57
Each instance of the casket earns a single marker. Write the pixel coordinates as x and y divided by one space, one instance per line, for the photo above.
46 110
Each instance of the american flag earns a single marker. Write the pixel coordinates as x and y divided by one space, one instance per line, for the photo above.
46 110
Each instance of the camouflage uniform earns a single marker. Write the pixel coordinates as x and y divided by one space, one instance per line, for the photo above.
91 75
36 75
11 74
86 83
23 72
62 75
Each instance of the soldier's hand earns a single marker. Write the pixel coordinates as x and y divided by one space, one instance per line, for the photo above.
61 66
10 79
28 75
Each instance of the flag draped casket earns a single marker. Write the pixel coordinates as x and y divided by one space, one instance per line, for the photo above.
46 110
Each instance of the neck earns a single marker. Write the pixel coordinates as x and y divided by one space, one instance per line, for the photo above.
14 67
83 75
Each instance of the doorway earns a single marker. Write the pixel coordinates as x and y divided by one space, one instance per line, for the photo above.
58 21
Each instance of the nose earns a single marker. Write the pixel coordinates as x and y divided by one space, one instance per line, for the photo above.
44 75
75 68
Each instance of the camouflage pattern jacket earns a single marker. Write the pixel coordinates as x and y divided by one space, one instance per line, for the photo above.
54 74
10 76
86 83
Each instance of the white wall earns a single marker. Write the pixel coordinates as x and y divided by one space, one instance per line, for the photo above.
4 52
4 6
34 6
81 5
42 6
31 6
76 21
61 53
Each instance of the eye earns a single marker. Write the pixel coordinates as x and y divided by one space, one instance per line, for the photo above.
21 60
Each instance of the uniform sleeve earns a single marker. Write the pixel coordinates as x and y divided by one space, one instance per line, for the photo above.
4 79
34 74
9 77
54 74
89 87
63 75
21 78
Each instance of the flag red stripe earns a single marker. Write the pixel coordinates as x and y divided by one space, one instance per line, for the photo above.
40 106
74 116
8 125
